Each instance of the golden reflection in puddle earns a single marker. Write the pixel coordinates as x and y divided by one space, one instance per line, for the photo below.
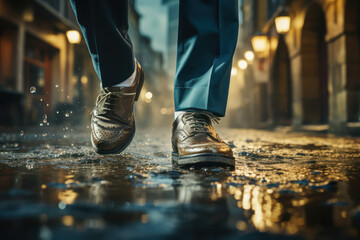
299 202
216 192
267 213
67 220
68 196
246 197
241 225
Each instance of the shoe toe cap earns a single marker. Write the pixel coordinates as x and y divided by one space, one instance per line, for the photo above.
109 139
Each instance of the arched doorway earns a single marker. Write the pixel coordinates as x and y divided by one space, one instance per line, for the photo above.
352 31
314 67
281 86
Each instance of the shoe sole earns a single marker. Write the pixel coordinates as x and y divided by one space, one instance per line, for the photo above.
208 159
132 134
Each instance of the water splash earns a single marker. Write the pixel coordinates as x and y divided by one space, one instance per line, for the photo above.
32 89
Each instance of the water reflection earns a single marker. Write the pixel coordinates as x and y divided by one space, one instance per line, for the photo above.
139 195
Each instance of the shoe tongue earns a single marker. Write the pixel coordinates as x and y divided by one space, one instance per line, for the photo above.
202 116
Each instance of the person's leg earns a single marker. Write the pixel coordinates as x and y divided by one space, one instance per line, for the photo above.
208 31
104 24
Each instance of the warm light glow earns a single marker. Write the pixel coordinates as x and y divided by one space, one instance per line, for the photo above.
163 111
149 95
68 220
249 56
84 80
282 24
28 14
233 72
242 64
73 37
68 196
259 43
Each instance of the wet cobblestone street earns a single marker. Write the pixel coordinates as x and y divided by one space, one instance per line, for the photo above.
284 186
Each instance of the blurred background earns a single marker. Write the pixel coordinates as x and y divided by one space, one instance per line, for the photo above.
297 64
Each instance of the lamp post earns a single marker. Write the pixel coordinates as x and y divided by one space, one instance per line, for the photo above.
249 56
260 44
73 36
282 24
242 64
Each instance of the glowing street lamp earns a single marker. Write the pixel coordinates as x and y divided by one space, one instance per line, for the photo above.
233 72
149 95
73 36
282 24
249 56
242 64
260 43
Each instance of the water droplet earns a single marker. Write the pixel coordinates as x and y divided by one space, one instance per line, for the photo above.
41 99
35 135
45 118
21 133
65 136
57 85
67 128
57 112
41 124
70 112
47 124
47 104
62 205
32 89
67 114
72 144
87 126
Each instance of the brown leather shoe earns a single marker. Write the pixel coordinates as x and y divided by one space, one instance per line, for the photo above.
195 141
112 120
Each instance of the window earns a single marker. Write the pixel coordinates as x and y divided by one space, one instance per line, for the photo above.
8 35
37 73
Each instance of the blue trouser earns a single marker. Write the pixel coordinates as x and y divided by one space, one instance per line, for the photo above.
207 38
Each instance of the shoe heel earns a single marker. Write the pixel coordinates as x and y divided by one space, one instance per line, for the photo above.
141 83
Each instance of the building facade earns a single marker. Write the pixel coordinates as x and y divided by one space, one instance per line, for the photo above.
308 76
41 72
44 75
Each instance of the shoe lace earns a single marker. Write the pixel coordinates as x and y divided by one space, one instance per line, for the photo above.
199 121
108 104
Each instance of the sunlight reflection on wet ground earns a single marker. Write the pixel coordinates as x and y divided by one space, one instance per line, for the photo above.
284 186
